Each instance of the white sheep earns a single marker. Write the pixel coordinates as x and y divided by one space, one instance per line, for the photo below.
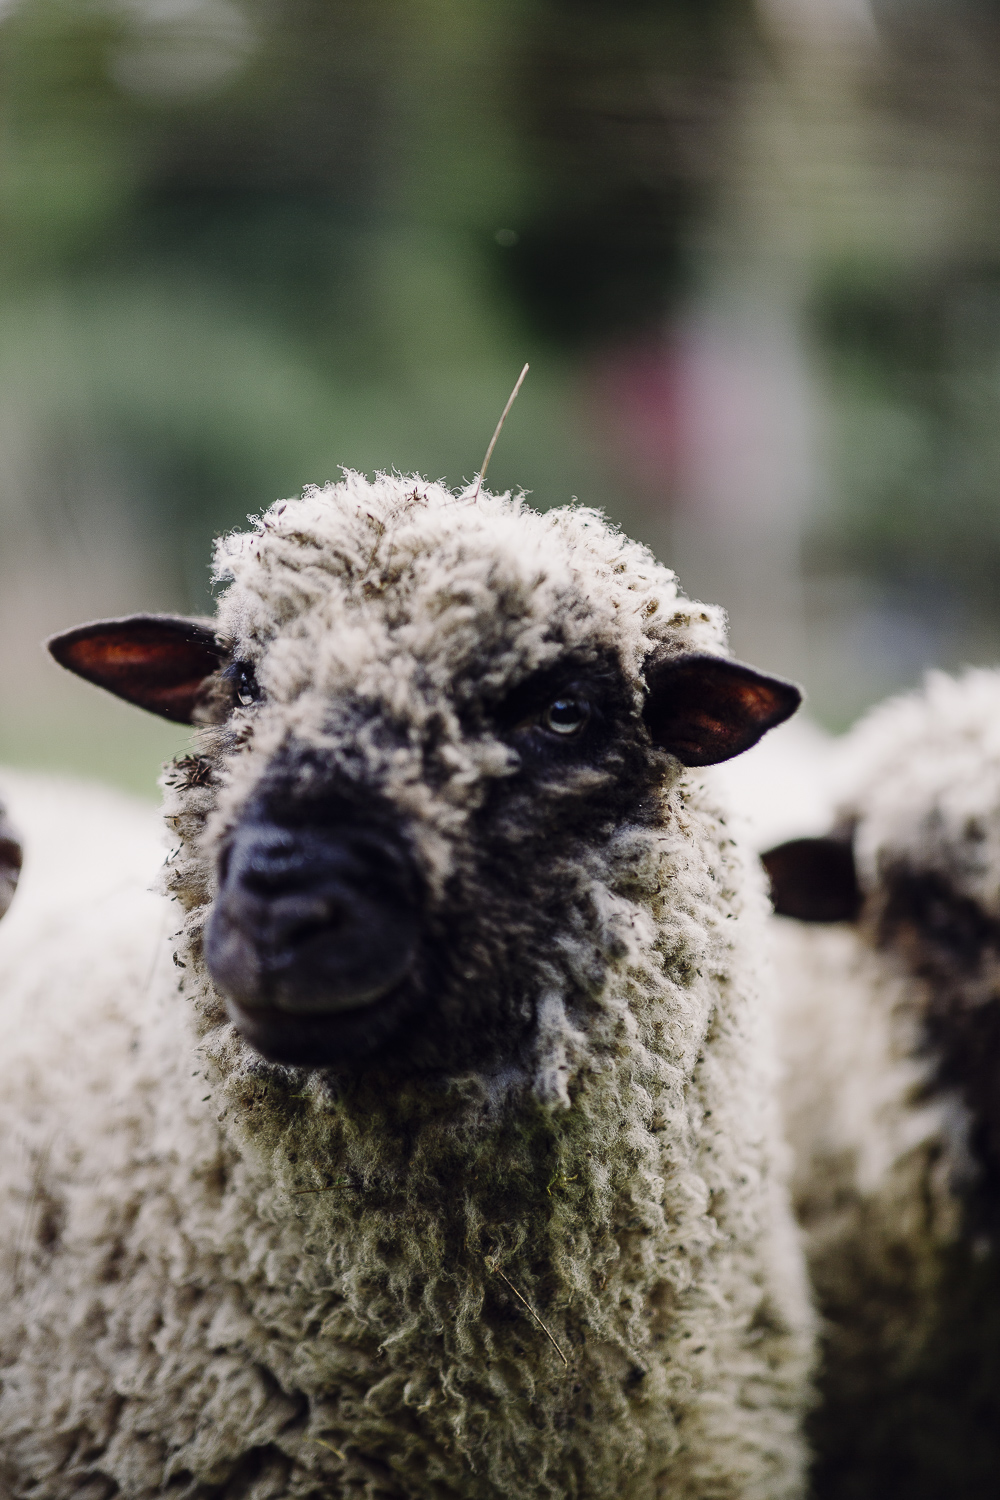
891 1030
11 858
436 1154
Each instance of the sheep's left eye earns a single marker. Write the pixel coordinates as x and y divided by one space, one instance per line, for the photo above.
566 716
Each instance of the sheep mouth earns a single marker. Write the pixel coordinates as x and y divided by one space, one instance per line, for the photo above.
335 1039
313 939
314 1001
310 1003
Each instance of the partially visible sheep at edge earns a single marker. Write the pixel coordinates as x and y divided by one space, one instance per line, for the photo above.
436 1154
11 859
890 1023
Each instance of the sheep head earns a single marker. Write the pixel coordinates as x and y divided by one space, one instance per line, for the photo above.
427 719
914 859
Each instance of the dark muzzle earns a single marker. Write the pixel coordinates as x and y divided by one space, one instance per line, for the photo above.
312 939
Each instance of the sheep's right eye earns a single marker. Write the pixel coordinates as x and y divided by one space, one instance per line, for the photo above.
247 688
566 716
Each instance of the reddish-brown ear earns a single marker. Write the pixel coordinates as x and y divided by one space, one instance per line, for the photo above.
814 880
705 709
159 662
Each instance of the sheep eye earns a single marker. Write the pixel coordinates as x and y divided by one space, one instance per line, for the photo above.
247 689
566 716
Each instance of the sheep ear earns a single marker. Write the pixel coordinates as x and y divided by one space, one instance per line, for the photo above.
159 662
705 709
814 880
10 861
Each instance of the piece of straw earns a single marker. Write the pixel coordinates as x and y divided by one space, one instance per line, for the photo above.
496 434
523 1300
324 1444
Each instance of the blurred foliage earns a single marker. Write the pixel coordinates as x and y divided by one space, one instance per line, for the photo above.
245 243
915 364
622 106
910 339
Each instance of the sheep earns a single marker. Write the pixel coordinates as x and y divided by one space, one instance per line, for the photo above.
891 1034
435 1154
83 841
11 859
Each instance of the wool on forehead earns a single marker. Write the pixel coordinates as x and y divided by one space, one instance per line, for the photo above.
457 575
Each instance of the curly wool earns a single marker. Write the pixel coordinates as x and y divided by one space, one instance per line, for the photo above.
553 1258
890 1031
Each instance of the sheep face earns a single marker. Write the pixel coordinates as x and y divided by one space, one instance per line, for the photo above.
402 881
428 723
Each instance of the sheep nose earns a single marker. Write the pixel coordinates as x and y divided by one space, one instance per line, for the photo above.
311 922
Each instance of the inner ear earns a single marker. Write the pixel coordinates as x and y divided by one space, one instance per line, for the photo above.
705 709
159 662
814 880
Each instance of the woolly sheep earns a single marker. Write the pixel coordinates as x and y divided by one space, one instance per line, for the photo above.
891 1029
11 857
82 841
435 1155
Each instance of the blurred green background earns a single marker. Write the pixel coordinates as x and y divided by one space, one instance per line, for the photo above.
751 251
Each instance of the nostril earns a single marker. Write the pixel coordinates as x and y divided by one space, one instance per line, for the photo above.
294 923
264 880
268 874
297 934
265 866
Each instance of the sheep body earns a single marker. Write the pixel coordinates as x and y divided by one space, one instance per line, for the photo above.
564 1266
889 1029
